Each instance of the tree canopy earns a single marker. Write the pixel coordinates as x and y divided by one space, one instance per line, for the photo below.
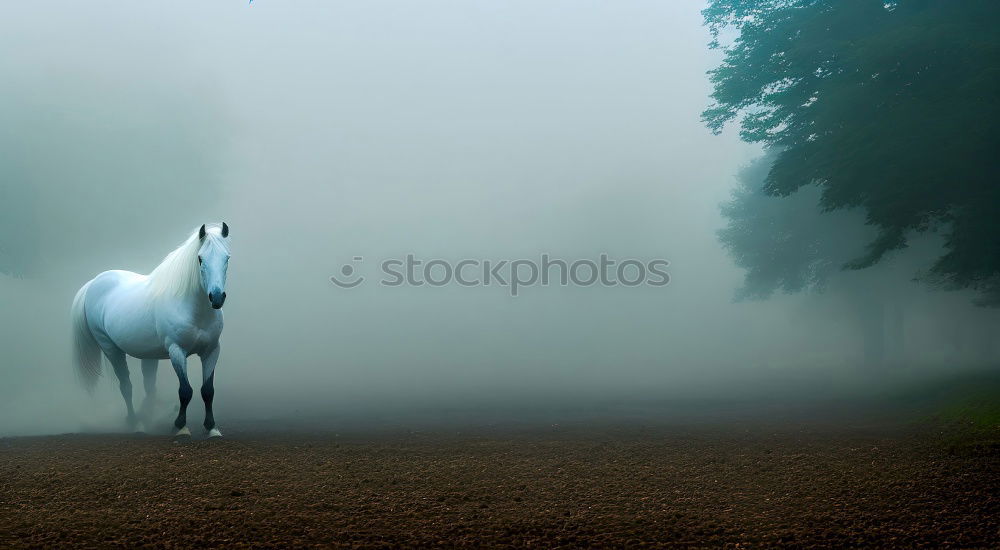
890 107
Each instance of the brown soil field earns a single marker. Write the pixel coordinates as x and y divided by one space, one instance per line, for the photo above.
552 486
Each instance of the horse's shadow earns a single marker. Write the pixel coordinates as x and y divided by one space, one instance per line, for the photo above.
156 420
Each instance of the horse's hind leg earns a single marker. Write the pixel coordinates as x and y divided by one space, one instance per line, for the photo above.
149 383
117 359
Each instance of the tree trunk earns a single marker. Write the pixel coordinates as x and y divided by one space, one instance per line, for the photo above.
897 348
873 334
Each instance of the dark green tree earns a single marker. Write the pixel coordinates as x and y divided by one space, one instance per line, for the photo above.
789 245
888 107
785 244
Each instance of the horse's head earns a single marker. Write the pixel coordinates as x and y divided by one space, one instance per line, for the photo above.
213 261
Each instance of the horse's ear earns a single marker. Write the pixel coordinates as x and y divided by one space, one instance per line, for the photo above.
201 232
225 229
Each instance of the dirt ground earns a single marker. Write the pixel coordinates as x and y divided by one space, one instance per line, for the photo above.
551 486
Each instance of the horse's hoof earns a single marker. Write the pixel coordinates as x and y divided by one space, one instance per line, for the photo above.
182 434
214 432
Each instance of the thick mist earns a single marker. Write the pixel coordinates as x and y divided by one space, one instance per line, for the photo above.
324 131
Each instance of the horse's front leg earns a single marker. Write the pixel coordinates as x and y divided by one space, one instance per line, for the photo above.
178 358
208 361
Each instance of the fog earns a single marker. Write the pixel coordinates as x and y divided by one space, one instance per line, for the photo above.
325 131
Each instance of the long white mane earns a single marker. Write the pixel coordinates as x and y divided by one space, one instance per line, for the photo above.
179 274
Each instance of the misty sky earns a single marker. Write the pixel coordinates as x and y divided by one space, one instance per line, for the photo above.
321 131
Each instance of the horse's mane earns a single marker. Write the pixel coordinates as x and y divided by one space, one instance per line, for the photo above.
178 273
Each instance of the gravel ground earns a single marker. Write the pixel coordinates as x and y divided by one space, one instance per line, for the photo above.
545 486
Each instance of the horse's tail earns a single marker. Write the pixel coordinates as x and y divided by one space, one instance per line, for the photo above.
86 352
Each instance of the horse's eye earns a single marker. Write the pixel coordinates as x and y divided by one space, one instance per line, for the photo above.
199 260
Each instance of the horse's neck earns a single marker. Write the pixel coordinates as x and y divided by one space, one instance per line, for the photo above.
195 305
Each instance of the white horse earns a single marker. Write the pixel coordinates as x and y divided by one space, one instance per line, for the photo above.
172 313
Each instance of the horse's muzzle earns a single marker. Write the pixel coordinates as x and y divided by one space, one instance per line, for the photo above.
217 298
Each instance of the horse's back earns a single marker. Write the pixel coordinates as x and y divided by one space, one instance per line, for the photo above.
107 286
112 279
